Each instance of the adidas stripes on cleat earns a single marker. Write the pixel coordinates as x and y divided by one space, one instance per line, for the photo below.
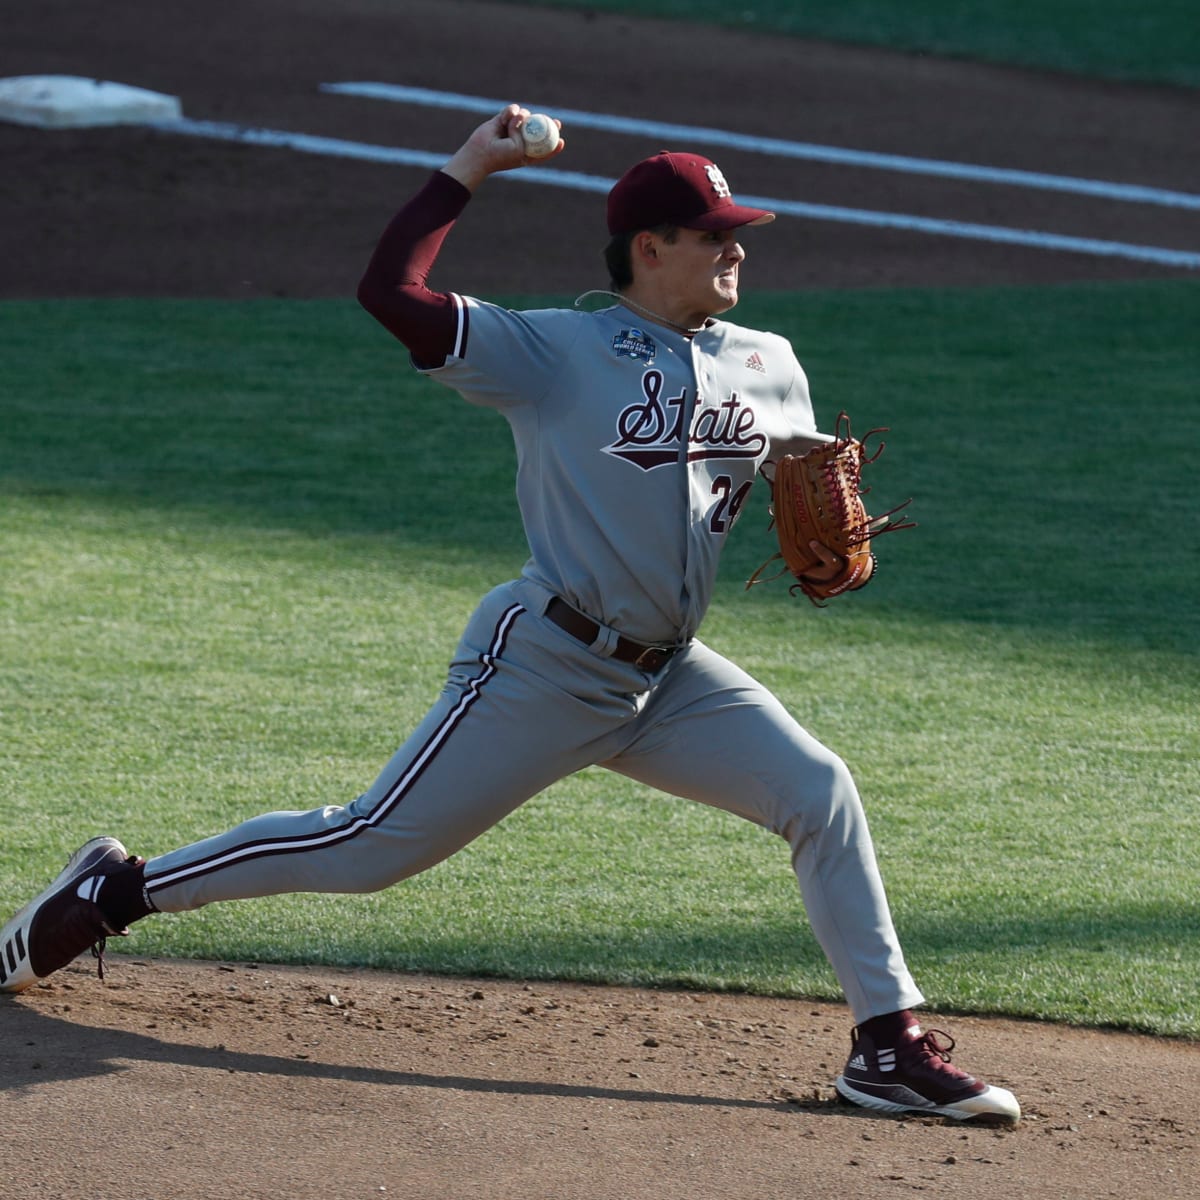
57 926
916 1076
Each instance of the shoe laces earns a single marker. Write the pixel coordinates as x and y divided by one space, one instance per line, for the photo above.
98 954
100 944
932 1051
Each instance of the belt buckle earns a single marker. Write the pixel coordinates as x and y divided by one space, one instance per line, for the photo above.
654 658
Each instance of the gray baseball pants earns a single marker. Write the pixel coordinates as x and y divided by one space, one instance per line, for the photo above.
525 704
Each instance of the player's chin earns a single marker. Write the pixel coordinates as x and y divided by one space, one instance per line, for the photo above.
724 285
726 298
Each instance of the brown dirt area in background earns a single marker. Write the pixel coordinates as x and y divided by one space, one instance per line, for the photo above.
134 212
173 1080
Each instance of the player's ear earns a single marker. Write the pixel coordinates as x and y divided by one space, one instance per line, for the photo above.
644 247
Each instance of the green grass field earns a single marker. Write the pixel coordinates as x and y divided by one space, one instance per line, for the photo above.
234 560
1157 41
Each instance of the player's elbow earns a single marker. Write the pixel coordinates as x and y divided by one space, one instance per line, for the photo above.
372 296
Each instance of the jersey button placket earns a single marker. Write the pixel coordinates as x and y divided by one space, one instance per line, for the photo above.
701 377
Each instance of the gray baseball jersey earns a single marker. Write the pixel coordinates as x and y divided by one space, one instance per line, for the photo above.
636 448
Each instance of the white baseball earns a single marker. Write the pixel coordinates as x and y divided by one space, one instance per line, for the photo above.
540 135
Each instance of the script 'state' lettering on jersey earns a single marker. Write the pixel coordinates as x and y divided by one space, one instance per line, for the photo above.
649 431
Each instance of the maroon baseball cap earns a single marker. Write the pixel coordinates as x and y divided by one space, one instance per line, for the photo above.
677 189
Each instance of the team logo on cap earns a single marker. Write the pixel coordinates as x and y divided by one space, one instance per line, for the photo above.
633 343
718 181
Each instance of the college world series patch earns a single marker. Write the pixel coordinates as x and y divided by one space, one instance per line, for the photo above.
633 343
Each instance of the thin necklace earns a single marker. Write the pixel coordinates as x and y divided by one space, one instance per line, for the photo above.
625 300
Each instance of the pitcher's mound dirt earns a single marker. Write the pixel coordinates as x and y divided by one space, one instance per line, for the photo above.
190 1081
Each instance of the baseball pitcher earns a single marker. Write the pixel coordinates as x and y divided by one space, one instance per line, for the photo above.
641 419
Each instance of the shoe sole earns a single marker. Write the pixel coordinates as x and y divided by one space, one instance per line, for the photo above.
994 1104
16 974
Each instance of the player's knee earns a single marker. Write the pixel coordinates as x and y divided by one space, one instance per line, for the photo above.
842 798
824 800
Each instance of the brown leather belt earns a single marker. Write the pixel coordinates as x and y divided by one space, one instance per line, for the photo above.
645 658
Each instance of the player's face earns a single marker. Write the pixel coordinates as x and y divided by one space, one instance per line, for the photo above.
702 271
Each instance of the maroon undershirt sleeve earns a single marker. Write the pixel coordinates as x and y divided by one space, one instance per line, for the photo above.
393 289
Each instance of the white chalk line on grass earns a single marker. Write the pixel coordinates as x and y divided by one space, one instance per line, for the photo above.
780 148
557 177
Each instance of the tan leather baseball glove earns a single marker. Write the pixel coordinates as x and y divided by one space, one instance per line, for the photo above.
823 527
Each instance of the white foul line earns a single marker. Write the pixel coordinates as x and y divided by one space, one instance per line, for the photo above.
556 177
780 148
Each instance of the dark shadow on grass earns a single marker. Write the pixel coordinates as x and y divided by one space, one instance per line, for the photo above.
308 418
732 956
